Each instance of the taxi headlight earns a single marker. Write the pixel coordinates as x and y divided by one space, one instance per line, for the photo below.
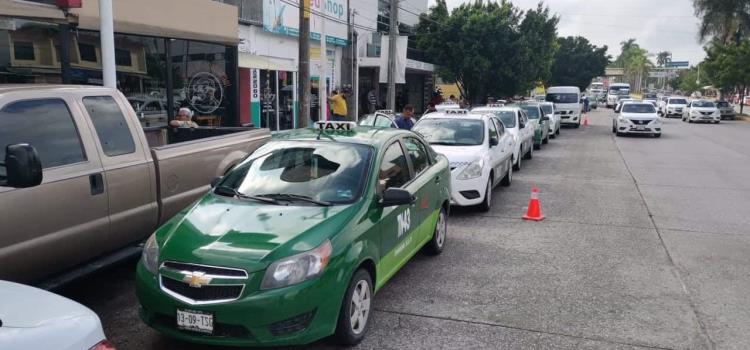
150 254
695 113
297 268
472 171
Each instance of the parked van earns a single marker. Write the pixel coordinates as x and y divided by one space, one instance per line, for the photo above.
567 100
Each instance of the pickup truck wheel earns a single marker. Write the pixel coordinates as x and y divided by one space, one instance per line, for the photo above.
487 202
355 310
436 244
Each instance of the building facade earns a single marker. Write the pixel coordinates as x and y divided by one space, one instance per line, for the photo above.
185 59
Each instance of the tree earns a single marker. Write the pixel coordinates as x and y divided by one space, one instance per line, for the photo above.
663 57
489 48
577 62
725 20
726 65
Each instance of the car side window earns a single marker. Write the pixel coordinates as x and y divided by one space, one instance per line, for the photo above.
394 170
418 154
493 130
111 126
46 124
500 127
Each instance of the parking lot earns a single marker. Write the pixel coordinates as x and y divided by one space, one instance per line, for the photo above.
645 245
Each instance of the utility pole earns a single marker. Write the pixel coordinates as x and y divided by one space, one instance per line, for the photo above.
393 34
323 72
303 86
107 37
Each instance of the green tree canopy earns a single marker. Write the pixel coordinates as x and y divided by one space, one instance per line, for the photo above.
577 62
724 20
489 48
726 65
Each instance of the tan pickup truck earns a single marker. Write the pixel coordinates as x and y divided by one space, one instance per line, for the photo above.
80 179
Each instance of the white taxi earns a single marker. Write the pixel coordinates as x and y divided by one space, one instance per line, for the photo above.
479 149
636 117
701 111
554 119
515 122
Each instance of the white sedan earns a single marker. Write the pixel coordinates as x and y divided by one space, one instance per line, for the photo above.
554 119
513 119
33 319
479 149
637 118
701 111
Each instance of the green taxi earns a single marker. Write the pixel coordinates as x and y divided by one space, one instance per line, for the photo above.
291 245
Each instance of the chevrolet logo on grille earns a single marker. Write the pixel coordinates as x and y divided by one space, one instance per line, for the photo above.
196 279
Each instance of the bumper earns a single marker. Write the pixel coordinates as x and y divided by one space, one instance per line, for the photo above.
260 318
728 116
704 118
467 192
673 112
570 119
624 128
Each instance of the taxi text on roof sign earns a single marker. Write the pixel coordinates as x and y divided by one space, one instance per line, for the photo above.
335 126
495 105
384 111
456 111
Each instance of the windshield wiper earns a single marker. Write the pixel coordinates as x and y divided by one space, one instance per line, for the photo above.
231 192
293 197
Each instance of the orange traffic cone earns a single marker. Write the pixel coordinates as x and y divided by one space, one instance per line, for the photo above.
585 120
534 212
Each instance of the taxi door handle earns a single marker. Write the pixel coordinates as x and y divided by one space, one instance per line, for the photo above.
437 179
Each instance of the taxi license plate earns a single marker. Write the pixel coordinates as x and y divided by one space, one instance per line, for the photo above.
640 127
195 321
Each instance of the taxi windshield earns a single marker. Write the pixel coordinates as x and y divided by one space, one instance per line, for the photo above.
638 108
323 171
532 111
451 132
508 118
562 97
377 120
703 104
547 109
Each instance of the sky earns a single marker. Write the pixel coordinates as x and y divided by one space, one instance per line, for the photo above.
657 25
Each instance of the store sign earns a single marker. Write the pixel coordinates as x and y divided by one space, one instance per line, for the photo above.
255 85
282 17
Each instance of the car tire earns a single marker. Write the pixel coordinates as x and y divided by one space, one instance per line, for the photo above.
717 122
508 179
614 128
618 133
690 121
437 243
350 332
657 135
486 204
558 130
530 153
517 164
546 139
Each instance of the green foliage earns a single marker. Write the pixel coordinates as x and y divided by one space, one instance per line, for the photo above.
724 20
489 48
577 62
727 64
663 57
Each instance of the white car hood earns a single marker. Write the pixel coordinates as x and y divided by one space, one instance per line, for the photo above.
459 156
36 319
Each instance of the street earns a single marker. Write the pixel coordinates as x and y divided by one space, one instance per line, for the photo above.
645 246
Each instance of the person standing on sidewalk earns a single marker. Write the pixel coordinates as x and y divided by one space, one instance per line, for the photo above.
338 101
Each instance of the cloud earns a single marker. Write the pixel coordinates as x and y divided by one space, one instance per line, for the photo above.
660 25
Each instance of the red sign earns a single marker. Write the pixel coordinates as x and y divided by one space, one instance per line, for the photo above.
68 4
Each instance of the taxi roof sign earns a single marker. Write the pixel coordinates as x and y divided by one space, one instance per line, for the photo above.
335 126
496 105
384 111
456 111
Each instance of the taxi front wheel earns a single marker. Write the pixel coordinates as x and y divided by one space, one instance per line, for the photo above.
355 312
436 244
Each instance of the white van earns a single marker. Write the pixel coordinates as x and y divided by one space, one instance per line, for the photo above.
567 100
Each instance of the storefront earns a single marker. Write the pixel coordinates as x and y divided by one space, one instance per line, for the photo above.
160 66
268 57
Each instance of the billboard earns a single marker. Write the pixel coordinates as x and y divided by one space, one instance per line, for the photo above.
282 17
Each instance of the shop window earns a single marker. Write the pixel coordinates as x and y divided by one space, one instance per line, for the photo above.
87 52
23 50
27 52
122 58
200 80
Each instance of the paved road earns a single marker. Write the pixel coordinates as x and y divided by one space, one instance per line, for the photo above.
646 246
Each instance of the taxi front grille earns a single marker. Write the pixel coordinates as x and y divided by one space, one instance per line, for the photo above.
208 270
202 294
639 122
707 113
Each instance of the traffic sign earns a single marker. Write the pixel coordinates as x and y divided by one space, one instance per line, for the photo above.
677 64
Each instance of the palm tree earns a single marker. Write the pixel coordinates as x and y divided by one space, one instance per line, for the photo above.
725 20
663 57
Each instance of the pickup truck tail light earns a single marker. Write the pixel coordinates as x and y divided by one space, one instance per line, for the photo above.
104 345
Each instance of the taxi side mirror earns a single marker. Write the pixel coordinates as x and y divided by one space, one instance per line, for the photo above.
396 196
215 181
494 141
545 118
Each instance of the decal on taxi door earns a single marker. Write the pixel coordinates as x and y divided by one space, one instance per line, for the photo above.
404 222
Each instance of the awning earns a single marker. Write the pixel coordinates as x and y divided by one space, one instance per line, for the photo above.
247 60
12 8
200 20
